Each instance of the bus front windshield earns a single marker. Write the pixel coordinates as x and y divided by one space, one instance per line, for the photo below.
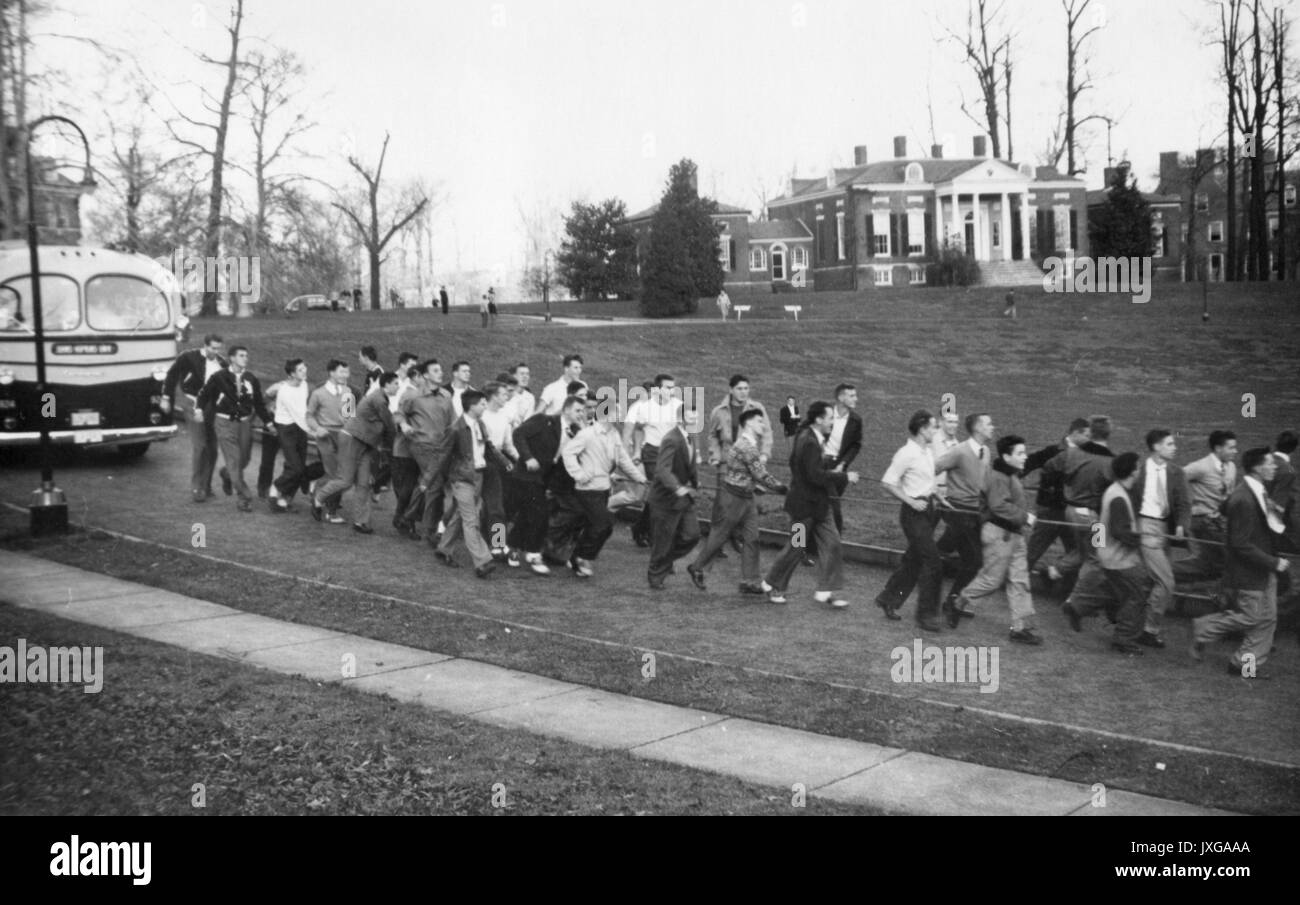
60 310
116 303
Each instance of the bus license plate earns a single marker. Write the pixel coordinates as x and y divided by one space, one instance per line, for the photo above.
85 419
88 436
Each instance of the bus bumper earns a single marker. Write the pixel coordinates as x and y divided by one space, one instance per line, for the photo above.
92 436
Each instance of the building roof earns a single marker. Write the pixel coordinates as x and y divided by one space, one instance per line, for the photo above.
933 170
1098 196
723 209
766 230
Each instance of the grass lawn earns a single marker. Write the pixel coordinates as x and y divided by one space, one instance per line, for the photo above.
263 743
1146 365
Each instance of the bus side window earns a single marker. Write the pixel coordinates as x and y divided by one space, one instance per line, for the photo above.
11 309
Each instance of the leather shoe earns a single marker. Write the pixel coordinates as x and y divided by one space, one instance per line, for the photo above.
485 570
317 511
697 576
891 611
640 539
1025 636
227 486
446 560
929 625
362 529
1146 639
199 496
950 611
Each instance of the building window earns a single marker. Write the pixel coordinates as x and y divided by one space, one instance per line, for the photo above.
1272 227
914 173
1158 240
1216 268
997 232
916 234
1289 194
724 253
757 259
800 261
778 262
1202 201
883 276
917 276
839 236
1216 230
1062 228
880 234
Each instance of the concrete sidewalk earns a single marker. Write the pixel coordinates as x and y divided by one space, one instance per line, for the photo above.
823 766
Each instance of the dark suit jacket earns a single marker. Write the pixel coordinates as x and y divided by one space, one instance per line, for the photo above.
851 442
1180 500
1051 488
1283 492
673 469
453 457
790 421
219 393
811 483
188 371
1251 545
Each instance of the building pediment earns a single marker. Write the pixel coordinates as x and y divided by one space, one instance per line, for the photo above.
989 172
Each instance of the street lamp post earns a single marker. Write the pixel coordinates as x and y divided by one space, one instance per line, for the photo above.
546 282
49 507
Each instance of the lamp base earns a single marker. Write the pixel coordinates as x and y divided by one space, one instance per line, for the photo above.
49 512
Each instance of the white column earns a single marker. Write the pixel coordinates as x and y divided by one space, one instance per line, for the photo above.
1006 227
975 225
956 233
1026 224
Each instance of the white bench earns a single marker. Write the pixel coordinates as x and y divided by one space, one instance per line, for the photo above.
794 309
741 309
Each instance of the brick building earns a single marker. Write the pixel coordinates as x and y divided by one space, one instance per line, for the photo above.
881 224
1198 245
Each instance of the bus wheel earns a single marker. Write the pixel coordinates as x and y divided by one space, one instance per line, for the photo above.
132 450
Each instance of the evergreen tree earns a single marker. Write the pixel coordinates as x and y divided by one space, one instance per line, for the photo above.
681 263
1122 226
597 259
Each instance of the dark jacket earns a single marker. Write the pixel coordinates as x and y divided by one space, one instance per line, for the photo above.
188 371
790 420
1086 473
373 423
539 438
453 457
851 442
1051 487
674 469
812 484
1283 492
220 394
1180 502
1252 546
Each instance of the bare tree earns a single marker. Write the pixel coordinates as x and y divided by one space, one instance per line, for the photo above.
986 55
1230 46
368 230
269 87
1077 79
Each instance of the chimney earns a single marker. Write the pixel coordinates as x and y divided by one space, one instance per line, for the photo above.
900 145
1169 168
1205 157
977 147
1109 176
860 155
936 151
695 182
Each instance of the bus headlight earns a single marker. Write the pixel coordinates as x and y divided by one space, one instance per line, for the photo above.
155 418
11 423
7 376
160 373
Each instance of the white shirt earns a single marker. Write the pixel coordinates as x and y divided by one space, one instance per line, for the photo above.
521 406
455 400
938 446
655 417
403 384
210 366
832 445
912 470
1155 491
498 427
480 451
555 393
291 404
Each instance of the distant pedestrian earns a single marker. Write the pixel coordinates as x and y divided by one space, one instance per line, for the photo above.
790 416
356 299
444 298
724 303
483 309
492 305
1010 310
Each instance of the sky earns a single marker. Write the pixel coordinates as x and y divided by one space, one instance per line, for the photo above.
508 106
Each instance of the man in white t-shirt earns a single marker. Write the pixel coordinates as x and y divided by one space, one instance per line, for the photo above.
522 401
557 391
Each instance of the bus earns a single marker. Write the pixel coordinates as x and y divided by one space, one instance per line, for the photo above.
110 336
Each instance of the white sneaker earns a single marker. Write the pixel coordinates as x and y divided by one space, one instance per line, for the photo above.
581 567
766 588
273 493
535 563
512 559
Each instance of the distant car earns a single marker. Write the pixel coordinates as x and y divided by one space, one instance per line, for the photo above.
307 303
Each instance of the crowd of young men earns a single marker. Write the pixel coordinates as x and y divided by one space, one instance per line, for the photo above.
532 481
